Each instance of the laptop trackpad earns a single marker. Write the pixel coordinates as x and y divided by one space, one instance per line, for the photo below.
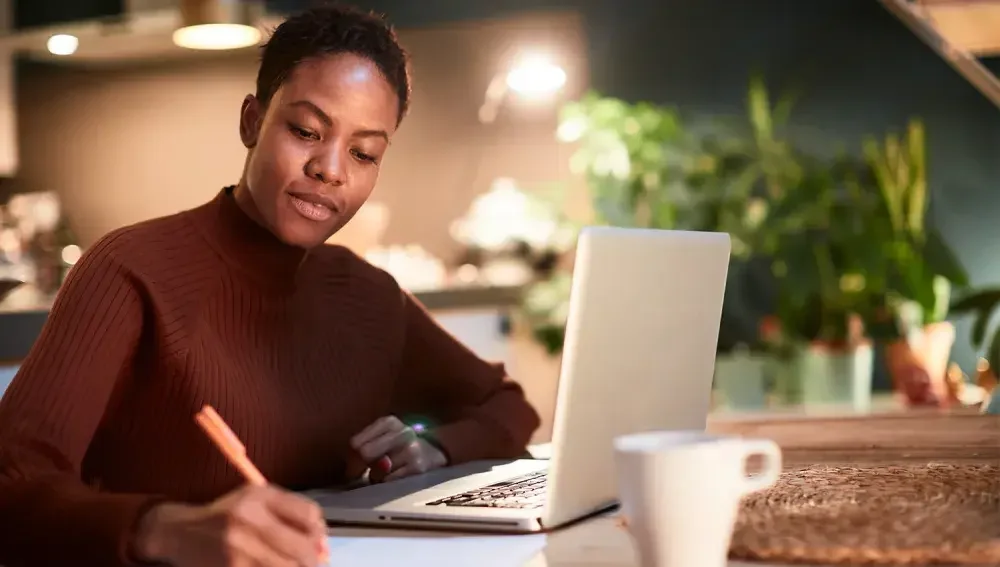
447 480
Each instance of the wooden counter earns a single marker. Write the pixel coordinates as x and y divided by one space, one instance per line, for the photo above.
915 436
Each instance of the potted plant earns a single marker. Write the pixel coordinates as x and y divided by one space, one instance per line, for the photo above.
742 379
825 294
920 268
797 214
853 256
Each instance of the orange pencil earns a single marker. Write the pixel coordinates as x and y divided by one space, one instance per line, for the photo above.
234 450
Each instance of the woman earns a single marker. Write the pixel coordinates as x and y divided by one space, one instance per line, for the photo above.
314 357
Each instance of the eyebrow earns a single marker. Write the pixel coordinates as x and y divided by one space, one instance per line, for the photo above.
325 119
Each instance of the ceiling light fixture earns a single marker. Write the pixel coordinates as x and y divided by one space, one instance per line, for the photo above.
218 24
62 44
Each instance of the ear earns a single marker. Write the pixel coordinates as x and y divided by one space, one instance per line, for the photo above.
251 118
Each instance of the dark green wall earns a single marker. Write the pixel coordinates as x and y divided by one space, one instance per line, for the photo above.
862 72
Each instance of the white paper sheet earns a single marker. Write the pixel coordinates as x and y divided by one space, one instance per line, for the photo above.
435 551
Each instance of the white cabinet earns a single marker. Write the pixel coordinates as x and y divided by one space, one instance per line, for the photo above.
7 374
479 329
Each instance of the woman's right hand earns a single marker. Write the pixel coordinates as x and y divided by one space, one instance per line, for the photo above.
250 527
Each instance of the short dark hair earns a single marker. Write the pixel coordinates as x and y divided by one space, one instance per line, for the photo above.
329 30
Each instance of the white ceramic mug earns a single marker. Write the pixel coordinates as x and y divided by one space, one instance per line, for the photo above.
680 492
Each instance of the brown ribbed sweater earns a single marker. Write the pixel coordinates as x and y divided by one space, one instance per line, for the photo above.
297 351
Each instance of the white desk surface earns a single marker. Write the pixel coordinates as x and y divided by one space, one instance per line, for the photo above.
598 542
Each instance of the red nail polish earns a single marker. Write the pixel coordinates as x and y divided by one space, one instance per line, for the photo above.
385 463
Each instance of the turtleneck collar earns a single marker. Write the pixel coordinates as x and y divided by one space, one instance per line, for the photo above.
251 247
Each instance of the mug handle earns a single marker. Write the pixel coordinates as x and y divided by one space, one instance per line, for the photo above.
772 464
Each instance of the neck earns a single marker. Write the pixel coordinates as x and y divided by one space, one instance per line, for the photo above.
232 223
243 199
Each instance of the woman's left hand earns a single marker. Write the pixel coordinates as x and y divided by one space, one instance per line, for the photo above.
393 450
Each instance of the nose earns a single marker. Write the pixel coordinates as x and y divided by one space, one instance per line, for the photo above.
328 168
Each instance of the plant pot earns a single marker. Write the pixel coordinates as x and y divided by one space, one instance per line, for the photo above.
821 375
918 365
741 380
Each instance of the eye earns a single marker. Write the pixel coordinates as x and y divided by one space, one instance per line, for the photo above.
363 156
303 133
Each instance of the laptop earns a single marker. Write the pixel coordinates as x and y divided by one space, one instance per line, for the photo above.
639 355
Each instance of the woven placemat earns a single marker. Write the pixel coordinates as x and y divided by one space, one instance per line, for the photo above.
892 515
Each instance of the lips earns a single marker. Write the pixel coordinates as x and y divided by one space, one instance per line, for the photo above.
313 206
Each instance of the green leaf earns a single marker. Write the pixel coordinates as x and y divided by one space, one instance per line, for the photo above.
759 107
920 284
783 109
942 295
981 301
979 327
993 354
885 179
916 160
983 304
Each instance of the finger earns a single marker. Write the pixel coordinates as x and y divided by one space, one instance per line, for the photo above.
386 444
355 466
299 512
382 468
373 450
384 464
289 545
403 471
291 525
381 426
376 476
247 548
403 456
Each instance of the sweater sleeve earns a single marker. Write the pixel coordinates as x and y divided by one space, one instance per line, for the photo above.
476 410
48 417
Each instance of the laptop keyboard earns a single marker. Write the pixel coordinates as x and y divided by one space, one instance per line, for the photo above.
522 492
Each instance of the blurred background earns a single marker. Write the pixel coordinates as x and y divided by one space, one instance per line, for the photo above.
850 147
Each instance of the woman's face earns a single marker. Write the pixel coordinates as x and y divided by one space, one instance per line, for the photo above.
316 149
